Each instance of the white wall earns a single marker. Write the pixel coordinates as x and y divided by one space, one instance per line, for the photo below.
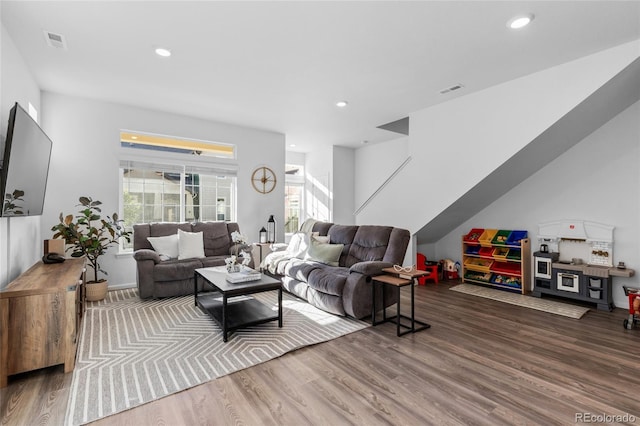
457 143
374 164
343 185
597 180
318 170
20 237
84 161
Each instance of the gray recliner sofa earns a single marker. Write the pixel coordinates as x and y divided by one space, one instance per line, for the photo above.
157 277
345 289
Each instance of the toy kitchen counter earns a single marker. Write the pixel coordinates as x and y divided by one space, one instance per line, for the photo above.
561 270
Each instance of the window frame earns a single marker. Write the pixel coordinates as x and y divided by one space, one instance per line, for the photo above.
132 158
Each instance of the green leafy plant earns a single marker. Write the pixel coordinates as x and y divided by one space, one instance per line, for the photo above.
90 235
12 202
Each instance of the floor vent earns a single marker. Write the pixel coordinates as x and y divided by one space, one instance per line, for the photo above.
55 40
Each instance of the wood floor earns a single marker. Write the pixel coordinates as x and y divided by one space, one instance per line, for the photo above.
483 362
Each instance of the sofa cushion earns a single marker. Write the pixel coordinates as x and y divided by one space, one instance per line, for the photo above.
342 234
216 237
329 280
190 245
369 244
172 270
326 302
322 228
163 229
210 261
297 268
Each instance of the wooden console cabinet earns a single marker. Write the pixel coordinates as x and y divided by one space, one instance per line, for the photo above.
40 314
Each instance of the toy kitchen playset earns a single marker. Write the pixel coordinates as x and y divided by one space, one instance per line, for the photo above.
575 260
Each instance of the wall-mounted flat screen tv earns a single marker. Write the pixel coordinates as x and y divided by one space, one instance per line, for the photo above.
25 166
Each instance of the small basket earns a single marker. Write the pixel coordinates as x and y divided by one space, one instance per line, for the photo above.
96 291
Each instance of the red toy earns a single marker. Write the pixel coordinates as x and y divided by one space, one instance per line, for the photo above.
423 264
634 307
450 269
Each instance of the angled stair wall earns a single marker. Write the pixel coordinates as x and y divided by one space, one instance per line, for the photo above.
473 149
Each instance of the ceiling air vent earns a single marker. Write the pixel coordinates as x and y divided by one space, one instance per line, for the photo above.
451 89
55 40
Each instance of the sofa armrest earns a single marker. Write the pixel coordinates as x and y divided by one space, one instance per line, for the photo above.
146 254
370 268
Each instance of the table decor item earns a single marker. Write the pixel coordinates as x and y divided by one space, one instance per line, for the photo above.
240 250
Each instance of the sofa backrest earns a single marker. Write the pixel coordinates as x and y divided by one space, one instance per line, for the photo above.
366 242
216 235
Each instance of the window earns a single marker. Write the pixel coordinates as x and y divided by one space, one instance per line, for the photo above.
293 198
292 206
174 187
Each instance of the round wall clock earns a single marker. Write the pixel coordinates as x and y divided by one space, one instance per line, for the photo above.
263 180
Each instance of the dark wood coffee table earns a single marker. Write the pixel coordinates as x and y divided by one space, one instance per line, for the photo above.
239 312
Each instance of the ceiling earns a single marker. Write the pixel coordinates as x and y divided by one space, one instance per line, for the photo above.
282 66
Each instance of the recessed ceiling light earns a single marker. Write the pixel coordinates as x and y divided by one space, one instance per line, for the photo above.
342 104
161 51
520 21
293 145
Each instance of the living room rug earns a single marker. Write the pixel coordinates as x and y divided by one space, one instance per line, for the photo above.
531 302
133 351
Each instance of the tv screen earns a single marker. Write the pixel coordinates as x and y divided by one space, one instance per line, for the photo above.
25 166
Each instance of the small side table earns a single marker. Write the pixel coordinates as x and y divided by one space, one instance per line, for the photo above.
260 251
398 280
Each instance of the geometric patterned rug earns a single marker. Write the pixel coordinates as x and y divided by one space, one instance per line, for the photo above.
133 351
531 302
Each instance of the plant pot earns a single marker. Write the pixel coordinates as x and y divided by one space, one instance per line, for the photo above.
96 290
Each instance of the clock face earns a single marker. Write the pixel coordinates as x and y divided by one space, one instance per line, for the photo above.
263 180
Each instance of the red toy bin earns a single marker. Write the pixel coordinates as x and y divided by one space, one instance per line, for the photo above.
506 268
486 252
473 235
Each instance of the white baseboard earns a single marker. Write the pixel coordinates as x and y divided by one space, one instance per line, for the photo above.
122 286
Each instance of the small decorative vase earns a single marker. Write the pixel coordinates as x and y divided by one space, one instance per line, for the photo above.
233 268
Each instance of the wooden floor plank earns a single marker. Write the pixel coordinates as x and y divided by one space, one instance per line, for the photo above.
483 362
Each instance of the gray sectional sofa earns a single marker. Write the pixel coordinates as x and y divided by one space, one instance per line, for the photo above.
344 289
160 277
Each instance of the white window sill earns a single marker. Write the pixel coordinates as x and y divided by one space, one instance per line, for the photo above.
124 254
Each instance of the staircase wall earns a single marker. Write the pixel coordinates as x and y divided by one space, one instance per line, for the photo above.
457 144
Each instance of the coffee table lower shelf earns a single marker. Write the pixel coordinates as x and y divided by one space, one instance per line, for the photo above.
242 312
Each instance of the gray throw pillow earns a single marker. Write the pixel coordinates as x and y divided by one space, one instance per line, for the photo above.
324 253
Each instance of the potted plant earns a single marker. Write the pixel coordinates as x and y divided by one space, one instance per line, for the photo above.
90 235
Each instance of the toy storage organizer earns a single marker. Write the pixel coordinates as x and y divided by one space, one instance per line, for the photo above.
498 258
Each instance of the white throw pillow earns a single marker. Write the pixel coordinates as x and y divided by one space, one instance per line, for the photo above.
321 239
190 245
167 246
